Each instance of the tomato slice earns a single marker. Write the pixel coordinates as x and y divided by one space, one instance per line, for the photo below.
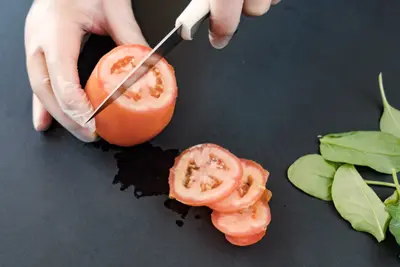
252 186
204 174
246 222
268 194
144 109
245 240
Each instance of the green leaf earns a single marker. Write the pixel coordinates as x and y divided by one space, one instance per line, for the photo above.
357 203
390 119
313 175
377 150
394 225
392 199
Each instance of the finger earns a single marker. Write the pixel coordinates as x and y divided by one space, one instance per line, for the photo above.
224 20
256 7
41 86
41 118
275 2
122 25
62 59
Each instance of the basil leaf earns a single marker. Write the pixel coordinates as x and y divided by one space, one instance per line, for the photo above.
377 150
394 225
392 199
390 119
313 175
357 203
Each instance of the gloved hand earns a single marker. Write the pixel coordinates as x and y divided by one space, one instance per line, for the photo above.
225 17
53 34
54 30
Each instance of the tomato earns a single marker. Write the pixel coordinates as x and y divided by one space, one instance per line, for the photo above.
268 194
204 174
251 188
245 240
246 222
145 109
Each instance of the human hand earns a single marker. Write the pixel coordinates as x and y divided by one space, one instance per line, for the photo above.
53 35
224 16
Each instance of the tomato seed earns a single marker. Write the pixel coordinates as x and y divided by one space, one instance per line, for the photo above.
120 64
214 183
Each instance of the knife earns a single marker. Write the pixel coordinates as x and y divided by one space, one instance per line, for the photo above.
186 26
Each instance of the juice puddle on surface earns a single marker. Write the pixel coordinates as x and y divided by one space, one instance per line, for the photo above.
146 168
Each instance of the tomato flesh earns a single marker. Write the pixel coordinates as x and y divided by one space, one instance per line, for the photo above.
246 222
252 186
245 240
204 174
152 90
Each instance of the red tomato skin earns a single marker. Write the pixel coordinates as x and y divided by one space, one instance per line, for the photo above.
245 240
191 201
223 206
249 230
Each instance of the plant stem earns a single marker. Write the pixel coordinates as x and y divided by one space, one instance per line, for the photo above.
396 181
383 95
380 183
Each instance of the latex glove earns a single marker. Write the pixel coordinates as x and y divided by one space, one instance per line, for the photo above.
225 17
53 35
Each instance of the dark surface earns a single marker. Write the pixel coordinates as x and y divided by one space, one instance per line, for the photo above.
309 67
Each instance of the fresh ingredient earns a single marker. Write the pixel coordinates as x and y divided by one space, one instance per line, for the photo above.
394 226
357 203
352 196
313 175
390 119
377 150
246 222
393 207
245 240
210 175
204 174
250 189
145 109
392 199
268 194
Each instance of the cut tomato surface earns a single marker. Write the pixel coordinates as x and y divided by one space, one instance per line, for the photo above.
144 109
245 240
246 222
204 174
250 189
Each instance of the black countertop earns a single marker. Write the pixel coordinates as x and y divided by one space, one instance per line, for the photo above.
306 68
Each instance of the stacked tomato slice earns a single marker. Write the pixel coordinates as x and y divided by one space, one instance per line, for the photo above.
234 188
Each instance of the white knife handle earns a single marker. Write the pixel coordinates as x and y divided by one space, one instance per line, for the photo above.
192 17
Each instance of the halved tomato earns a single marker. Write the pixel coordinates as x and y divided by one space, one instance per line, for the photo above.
245 240
250 189
145 109
246 222
204 174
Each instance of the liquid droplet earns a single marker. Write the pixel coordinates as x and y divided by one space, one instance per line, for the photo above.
178 207
145 168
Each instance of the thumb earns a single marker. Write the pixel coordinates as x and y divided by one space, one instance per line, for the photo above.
121 23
